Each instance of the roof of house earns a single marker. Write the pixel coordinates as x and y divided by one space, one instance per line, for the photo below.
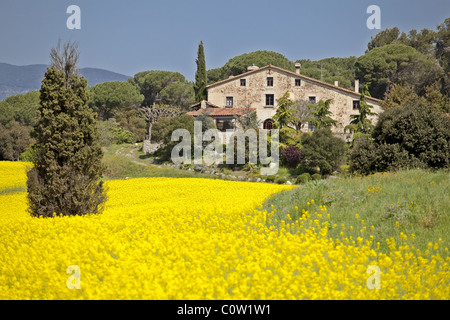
198 104
293 74
221 112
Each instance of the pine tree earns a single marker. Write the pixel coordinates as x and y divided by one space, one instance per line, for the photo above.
67 162
200 75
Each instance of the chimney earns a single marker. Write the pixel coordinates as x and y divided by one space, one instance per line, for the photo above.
203 104
336 83
357 85
297 68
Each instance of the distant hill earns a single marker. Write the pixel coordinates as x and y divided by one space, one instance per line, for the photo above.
22 79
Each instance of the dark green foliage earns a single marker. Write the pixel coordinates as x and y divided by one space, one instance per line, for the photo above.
303 178
108 98
383 66
330 70
385 37
200 75
322 151
22 108
291 156
17 116
67 161
14 140
239 64
443 43
422 41
414 136
164 87
418 129
164 128
368 157
363 158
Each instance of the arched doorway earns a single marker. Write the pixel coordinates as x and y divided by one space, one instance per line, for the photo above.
268 124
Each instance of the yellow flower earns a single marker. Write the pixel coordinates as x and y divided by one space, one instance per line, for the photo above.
160 238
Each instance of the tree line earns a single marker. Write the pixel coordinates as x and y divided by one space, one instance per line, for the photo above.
397 67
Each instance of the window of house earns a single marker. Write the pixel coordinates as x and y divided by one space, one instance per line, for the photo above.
298 82
268 124
312 100
356 104
229 102
270 81
224 124
243 82
270 100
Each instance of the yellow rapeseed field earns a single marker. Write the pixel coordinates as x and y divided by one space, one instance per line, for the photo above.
168 238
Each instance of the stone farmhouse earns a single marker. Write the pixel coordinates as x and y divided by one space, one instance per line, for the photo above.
259 89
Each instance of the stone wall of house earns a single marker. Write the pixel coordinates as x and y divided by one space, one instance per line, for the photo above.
253 94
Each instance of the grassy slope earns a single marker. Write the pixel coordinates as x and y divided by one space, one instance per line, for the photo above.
124 161
418 200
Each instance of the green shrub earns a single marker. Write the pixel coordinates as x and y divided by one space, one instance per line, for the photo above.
28 155
111 133
270 178
169 126
303 178
316 176
280 180
419 130
408 137
322 150
344 169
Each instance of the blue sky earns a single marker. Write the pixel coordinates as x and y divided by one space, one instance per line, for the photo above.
137 35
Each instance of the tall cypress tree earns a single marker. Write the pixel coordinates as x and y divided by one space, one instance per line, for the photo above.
200 75
67 162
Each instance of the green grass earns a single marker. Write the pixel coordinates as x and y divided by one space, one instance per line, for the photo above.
126 161
413 202
13 189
